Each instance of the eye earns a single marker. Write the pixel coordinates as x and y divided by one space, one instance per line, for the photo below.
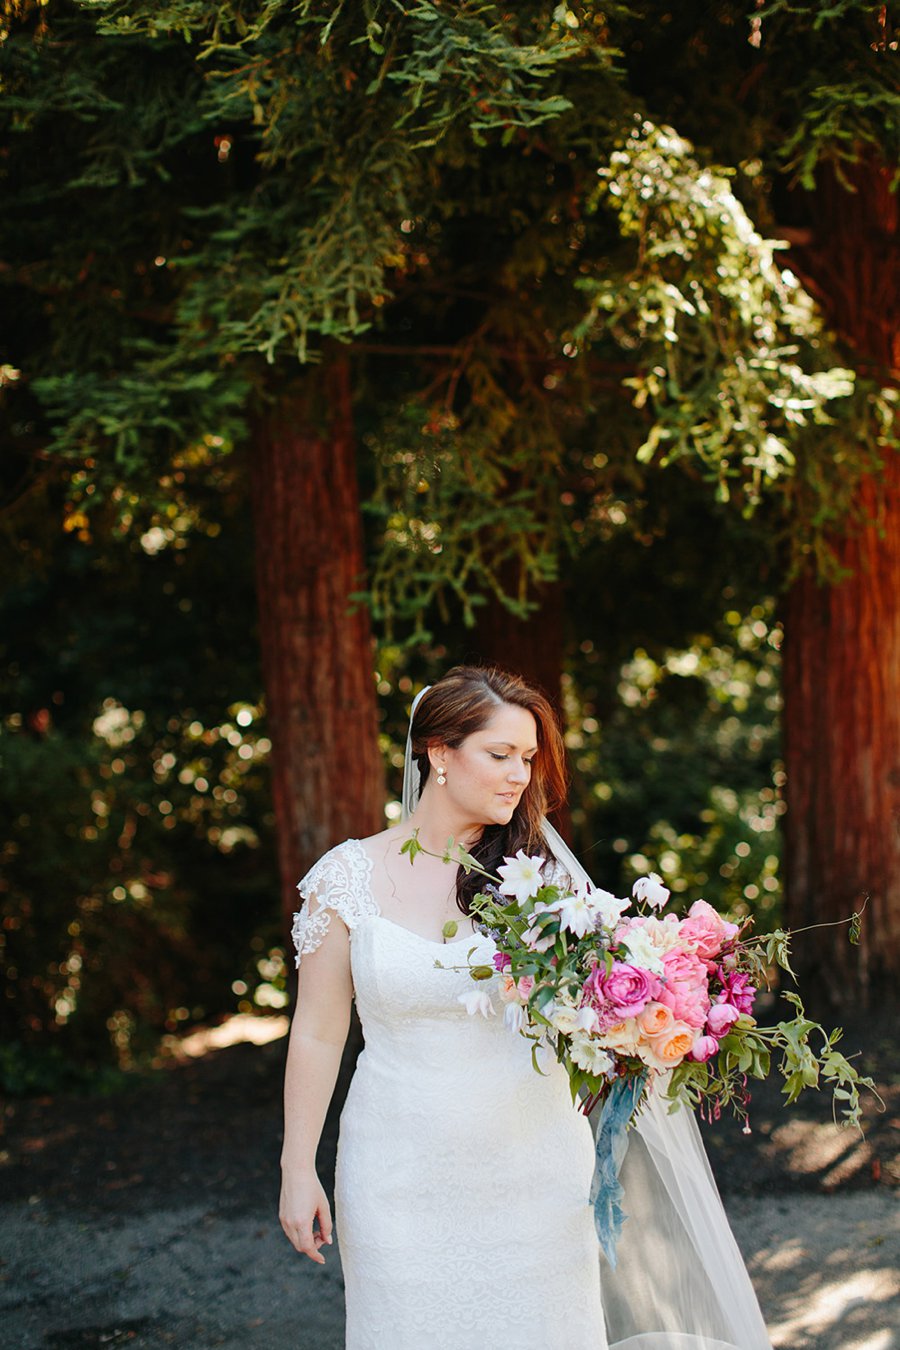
493 756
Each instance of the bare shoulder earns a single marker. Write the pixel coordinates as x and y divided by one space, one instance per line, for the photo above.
384 838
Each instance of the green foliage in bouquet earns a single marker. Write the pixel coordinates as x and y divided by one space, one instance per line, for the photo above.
565 945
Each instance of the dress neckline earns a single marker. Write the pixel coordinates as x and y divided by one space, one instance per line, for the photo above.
377 914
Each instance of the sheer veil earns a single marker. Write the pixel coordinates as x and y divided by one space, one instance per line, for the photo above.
680 1282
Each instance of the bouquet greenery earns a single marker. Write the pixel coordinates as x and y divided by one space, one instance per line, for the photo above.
628 989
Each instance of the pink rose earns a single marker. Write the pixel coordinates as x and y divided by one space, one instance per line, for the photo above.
721 1018
621 994
706 930
704 1048
525 984
684 987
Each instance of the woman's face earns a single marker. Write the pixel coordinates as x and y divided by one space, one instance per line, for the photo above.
488 773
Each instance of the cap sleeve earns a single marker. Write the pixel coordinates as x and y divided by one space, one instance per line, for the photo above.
337 884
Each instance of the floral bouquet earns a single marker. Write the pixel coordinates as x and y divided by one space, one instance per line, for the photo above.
625 991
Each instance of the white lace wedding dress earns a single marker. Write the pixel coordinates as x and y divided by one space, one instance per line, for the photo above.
463 1176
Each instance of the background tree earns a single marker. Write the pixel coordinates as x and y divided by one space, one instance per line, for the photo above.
511 347
807 110
143 351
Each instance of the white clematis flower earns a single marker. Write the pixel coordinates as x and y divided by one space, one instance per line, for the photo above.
515 1016
536 940
589 1055
576 912
477 1001
534 936
650 890
521 876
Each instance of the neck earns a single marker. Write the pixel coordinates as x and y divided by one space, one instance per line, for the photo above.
437 821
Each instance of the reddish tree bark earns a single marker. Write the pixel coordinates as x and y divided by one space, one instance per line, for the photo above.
327 771
841 676
532 648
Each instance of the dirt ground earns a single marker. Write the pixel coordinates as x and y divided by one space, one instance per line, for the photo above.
149 1219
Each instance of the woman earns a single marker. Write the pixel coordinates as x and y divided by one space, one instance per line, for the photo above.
463 1176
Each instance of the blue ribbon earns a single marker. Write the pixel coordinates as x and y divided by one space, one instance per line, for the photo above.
612 1143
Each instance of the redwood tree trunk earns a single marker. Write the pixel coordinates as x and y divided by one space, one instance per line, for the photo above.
842 646
532 648
327 771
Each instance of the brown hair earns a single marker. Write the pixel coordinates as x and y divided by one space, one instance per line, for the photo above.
462 702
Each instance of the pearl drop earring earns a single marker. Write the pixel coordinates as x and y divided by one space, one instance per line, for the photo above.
442 775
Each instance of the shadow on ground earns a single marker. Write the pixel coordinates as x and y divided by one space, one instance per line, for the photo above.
149 1218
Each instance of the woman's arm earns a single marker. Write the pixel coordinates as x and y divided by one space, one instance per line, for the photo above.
318 1034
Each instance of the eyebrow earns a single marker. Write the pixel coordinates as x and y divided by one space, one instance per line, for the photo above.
509 746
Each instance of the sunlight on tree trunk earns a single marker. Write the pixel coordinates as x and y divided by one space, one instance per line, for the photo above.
842 643
327 772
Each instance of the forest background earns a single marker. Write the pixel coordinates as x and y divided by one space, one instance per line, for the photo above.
341 343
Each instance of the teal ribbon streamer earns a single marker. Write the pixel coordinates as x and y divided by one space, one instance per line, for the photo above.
612 1143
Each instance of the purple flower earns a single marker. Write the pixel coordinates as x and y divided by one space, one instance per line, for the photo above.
501 961
737 990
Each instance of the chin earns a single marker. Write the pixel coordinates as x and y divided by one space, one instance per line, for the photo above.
503 813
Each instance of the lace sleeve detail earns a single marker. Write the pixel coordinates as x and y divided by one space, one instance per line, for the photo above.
337 884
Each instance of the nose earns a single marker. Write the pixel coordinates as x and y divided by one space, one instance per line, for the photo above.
518 773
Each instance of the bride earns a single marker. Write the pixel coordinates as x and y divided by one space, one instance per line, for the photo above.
463 1176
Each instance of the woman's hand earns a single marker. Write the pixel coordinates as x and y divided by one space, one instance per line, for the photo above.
303 1200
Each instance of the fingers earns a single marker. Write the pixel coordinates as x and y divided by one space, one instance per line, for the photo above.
324 1216
301 1237
306 1241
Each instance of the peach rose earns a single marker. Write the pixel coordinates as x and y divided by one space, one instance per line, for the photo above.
655 1019
670 1046
507 989
515 991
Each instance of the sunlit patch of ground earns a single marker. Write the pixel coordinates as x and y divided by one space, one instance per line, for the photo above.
817 1147
827 1269
242 1027
822 1306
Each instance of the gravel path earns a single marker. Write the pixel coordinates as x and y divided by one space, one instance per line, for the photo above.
149 1219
